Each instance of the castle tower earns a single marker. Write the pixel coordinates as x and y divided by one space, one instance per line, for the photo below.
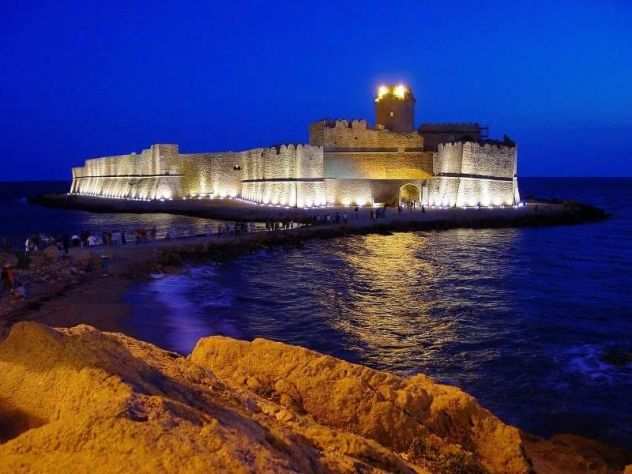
395 108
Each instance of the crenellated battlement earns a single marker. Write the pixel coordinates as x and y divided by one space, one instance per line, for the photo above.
289 148
483 144
343 123
357 134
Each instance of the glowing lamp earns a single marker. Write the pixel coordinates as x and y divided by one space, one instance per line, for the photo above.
400 91
382 91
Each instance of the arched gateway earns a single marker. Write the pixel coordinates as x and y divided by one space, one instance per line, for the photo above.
409 193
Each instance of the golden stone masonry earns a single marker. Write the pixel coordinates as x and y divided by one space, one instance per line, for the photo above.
346 163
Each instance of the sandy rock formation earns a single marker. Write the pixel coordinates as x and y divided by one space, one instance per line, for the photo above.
79 400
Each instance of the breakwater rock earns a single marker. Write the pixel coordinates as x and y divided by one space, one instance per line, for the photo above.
81 400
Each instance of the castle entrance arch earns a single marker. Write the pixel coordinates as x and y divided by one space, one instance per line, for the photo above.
409 193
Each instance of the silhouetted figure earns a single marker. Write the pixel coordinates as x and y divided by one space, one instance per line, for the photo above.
65 240
8 279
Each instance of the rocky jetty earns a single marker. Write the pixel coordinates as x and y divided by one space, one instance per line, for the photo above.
81 400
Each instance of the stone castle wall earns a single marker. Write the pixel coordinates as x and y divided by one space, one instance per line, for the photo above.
471 174
153 174
368 165
476 159
466 191
349 192
286 175
357 134
378 165
216 174
346 164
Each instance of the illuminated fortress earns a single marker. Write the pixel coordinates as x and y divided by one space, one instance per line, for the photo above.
346 163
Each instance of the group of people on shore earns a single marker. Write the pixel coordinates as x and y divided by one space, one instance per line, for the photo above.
283 224
337 218
112 238
86 239
411 206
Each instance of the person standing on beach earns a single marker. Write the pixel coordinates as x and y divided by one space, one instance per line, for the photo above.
65 240
8 279
84 238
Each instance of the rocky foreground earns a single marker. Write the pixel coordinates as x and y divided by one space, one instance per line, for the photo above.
81 400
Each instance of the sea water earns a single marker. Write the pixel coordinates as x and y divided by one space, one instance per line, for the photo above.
523 319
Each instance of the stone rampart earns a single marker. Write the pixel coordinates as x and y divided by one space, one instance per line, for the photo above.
366 165
466 191
349 192
152 174
378 165
216 174
290 175
341 134
287 175
472 174
463 174
471 158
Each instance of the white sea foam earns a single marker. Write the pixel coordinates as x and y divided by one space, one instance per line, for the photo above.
187 320
587 361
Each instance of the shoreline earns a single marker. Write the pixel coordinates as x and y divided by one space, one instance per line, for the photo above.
132 263
100 301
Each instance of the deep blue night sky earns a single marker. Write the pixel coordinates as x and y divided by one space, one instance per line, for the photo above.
81 79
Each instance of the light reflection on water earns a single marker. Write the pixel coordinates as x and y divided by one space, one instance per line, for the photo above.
517 317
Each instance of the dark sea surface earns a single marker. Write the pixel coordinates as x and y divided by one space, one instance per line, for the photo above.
524 319
19 218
